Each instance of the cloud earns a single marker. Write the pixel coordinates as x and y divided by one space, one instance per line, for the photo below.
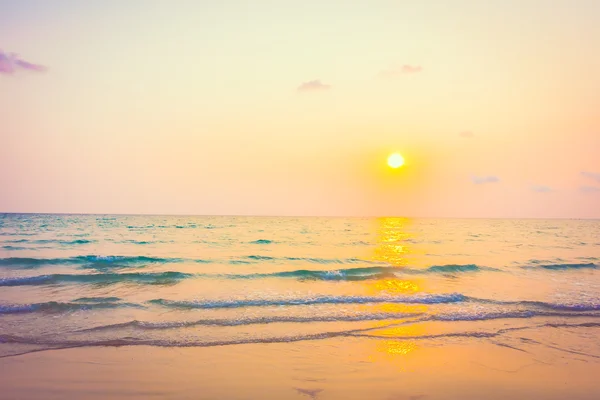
479 180
466 134
313 86
396 71
10 63
312 393
589 189
591 175
541 189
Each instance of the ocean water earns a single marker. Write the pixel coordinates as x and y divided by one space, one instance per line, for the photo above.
100 280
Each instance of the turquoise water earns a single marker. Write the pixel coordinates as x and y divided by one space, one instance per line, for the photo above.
98 280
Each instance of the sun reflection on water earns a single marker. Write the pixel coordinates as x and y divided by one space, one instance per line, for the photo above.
395 347
400 308
394 350
391 241
402 331
395 286
393 248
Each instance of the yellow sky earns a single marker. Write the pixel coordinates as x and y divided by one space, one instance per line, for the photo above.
291 108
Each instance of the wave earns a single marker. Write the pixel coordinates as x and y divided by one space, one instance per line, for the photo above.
354 274
260 258
64 242
534 304
303 301
254 259
359 274
97 299
350 274
94 261
313 260
562 306
61 307
510 314
422 298
310 260
514 309
559 267
106 264
78 241
143 242
152 278
132 260
262 241
453 268
145 325
53 241
105 276
358 243
412 318
54 343
188 226
410 299
24 262
479 334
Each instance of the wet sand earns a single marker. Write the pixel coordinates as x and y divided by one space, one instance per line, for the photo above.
544 365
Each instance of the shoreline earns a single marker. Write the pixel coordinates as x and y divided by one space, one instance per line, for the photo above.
348 368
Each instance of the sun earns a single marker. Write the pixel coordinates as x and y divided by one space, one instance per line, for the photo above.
395 160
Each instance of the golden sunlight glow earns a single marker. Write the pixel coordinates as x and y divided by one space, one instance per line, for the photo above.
396 348
403 332
394 286
393 249
395 160
392 242
399 308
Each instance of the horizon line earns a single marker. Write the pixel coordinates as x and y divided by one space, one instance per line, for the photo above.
284 216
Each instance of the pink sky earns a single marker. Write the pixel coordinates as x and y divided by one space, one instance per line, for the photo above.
287 108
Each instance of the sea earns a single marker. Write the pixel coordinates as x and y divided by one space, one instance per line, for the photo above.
72 281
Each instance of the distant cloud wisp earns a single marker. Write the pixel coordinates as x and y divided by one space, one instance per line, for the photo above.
313 86
541 189
466 134
480 180
10 63
591 175
590 189
396 71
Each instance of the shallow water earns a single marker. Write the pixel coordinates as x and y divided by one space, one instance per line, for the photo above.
95 280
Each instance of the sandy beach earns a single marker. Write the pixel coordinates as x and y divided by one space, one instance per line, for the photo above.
350 368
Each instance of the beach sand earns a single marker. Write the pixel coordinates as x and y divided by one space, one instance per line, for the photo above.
545 365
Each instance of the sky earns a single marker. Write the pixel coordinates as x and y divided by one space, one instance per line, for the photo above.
292 107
